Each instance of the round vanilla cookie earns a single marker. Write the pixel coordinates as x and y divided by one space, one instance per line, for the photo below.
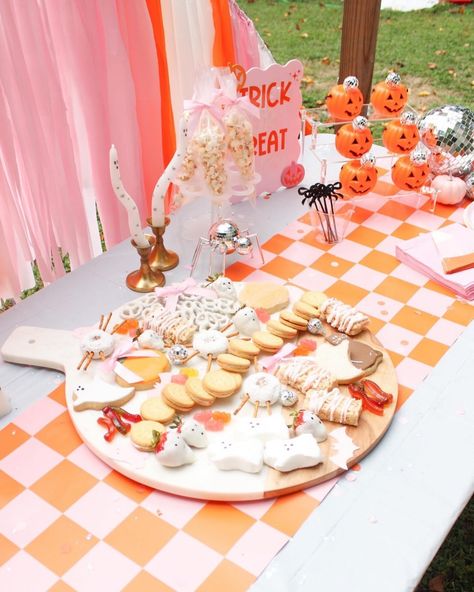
244 349
196 391
289 318
233 363
267 342
175 396
156 409
263 388
267 295
314 298
210 342
281 330
141 434
305 310
221 383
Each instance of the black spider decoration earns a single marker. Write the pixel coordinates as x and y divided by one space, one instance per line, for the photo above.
320 191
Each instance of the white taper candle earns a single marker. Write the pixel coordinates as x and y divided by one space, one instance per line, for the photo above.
127 202
169 174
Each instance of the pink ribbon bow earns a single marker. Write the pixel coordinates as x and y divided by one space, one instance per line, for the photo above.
284 352
244 104
189 286
128 348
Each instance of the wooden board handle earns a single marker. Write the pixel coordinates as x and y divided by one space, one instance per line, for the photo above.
36 346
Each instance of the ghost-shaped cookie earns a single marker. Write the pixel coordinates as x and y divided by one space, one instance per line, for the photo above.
194 434
297 453
307 422
172 450
97 393
265 428
224 288
150 339
235 455
246 321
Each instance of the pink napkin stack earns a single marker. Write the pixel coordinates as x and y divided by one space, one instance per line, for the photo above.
446 256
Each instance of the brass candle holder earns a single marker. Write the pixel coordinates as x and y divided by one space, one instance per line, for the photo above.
145 279
160 258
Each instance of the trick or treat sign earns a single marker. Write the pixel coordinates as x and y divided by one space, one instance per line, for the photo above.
276 92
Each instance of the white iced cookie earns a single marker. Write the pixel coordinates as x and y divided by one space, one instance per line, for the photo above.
307 422
246 321
229 455
262 388
288 455
210 342
98 342
224 288
150 339
268 427
194 434
172 450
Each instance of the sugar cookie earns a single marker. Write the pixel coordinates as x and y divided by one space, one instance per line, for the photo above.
281 330
314 299
305 310
267 295
175 396
289 318
221 383
244 349
156 409
210 342
142 436
335 358
196 391
96 394
149 369
267 342
233 363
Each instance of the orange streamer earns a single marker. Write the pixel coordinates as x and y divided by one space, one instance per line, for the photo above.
223 52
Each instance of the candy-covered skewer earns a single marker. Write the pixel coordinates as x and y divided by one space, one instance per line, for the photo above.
260 389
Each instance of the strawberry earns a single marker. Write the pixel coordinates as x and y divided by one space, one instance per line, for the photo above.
298 418
161 441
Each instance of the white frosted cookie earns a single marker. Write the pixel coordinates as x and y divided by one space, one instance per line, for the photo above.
262 388
335 359
210 342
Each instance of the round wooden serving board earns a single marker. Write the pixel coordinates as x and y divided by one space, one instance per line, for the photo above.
59 350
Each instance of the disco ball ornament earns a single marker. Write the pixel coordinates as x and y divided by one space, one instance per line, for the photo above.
469 180
315 327
222 235
243 245
448 133
288 398
178 354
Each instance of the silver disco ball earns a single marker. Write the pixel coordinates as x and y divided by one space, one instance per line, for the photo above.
243 245
448 133
222 235
470 185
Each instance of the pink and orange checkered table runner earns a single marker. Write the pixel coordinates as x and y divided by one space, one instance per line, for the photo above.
68 522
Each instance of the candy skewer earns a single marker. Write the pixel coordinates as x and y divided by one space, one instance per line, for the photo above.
255 412
245 398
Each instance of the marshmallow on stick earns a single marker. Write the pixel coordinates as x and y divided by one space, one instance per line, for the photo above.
169 174
127 202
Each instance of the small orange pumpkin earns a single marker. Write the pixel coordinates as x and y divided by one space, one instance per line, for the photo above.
358 177
401 135
354 139
344 101
390 96
410 172
292 175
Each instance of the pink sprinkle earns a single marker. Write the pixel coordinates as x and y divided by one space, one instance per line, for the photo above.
351 477
308 343
262 315
214 425
179 378
203 416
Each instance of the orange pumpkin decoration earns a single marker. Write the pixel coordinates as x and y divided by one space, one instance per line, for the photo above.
344 101
401 135
354 139
358 177
292 175
410 172
390 96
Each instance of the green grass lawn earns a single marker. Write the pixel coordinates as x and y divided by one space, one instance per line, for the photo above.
433 49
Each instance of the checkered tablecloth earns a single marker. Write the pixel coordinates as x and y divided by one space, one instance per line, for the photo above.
68 522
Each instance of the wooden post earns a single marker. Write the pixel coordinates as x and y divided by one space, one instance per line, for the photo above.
360 25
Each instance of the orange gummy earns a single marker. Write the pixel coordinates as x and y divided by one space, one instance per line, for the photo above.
301 351
221 416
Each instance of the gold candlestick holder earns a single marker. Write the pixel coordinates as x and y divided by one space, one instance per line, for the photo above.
160 258
145 279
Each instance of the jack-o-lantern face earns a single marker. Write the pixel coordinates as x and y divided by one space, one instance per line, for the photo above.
344 101
357 179
353 142
389 97
400 138
408 175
